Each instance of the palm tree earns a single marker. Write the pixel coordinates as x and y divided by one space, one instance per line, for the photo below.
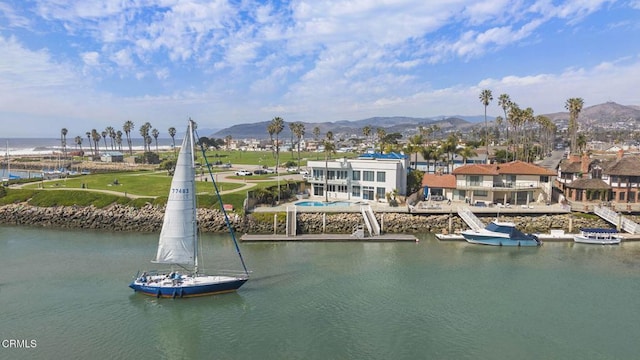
450 147
527 119
504 101
329 148
467 152
78 141
381 134
413 146
172 132
297 128
128 127
88 133
515 115
155 133
499 121
485 99
144 133
366 131
63 141
275 127
119 140
109 130
95 136
574 105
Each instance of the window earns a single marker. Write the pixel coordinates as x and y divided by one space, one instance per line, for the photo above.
380 194
342 189
367 192
341 174
318 189
544 179
331 175
356 175
622 196
355 191
368 175
381 176
480 193
474 180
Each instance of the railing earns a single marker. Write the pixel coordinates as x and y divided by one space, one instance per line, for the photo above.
470 218
617 219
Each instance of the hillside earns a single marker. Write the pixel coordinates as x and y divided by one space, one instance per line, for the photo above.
609 114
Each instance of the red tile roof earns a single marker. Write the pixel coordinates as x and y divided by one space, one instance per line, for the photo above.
439 181
514 168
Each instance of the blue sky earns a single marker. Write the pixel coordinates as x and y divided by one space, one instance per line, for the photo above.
95 63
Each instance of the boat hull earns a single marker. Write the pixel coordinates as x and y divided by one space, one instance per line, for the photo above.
483 240
187 289
588 240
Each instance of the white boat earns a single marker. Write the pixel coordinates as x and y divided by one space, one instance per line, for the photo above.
500 233
598 236
178 243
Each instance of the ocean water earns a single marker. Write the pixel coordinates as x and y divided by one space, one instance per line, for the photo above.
48 146
66 292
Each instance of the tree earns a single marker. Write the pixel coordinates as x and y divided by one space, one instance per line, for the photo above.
104 137
381 134
88 133
95 136
467 152
450 147
275 127
111 133
78 141
297 128
485 99
119 140
227 141
504 101
366 131
127 128
414 146
574 105
329 148
172 132
63 141
155 133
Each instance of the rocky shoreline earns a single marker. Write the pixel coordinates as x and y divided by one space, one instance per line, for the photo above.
121 218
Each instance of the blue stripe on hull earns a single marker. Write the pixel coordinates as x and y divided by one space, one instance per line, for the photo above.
188 291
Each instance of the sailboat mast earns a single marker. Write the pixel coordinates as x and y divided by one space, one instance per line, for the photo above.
193 198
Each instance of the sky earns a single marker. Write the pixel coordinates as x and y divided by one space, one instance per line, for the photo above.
90 64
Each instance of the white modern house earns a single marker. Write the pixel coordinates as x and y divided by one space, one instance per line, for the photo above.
368 177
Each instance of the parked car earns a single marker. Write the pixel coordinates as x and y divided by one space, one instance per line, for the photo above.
304 172
269 171
480 204
243 173
260 171
226 166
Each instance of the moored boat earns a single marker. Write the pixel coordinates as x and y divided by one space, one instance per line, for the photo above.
500 233
598 236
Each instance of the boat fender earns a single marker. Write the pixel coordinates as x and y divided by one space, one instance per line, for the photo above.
158 294
175 293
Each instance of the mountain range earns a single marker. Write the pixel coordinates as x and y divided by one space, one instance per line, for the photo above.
605 115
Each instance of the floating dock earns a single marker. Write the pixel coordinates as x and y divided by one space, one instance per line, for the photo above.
328 238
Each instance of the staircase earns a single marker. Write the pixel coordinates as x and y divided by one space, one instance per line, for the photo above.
370 220
617 219
470 218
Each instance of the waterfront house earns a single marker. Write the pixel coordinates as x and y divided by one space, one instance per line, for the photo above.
438 186
585 179
368 177
513 183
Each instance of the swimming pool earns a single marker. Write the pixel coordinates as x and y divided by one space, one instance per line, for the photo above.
320 203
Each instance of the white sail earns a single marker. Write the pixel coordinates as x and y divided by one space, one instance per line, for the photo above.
178 237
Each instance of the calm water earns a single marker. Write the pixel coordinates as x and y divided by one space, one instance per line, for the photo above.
67 290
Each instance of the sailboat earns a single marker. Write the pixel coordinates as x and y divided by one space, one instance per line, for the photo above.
8 176
178 243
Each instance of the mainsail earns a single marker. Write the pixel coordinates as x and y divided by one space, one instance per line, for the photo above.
178 237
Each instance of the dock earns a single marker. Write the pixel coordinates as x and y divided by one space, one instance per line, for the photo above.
328 238
549 237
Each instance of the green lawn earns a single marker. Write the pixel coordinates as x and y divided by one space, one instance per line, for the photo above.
145 183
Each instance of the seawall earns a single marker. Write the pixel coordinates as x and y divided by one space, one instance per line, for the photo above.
149 219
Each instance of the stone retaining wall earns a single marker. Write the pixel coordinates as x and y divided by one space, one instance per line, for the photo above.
149 219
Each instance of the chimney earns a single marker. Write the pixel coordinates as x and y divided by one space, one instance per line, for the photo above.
620 154
584 163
